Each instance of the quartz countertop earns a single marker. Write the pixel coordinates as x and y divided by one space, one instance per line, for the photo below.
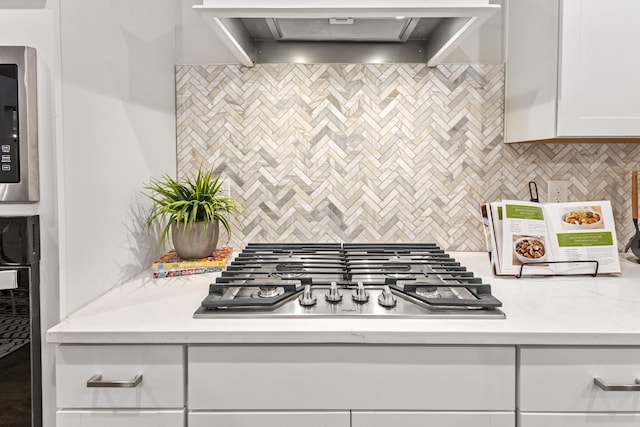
570 310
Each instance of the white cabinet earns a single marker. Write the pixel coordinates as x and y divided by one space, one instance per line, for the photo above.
557 387
128 385
286 385
571 70
320 385
579 420
432 419
351 377
269 419
600 59
120 418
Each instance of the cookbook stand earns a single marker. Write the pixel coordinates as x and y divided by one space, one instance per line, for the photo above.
595 263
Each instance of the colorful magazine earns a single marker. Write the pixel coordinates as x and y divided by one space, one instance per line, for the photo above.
171 261
159 274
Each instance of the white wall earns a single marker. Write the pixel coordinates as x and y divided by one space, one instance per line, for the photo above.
118 98
196 40
34 23
484 45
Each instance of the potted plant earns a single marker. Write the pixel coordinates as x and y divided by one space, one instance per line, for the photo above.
192 210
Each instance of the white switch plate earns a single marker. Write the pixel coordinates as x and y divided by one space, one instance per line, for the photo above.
558 191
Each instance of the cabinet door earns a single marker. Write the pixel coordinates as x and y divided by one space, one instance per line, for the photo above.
531 70
433 419
579 420
269 419
126 418
599 82
562 379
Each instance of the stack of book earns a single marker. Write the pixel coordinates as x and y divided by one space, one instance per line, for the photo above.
171 265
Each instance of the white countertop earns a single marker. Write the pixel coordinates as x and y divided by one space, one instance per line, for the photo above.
576 310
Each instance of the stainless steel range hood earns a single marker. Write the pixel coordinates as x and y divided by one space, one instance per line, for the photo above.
344 31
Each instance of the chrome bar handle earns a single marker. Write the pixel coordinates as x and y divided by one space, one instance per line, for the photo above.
96 381
616 387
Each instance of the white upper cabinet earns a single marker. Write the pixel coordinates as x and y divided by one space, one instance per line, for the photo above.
572 70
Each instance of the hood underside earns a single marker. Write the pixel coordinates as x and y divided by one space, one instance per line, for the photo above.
398 29
408 31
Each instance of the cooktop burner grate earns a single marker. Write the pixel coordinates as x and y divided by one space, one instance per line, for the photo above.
347 280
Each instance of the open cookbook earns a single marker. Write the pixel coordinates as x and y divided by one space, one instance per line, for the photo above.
551 238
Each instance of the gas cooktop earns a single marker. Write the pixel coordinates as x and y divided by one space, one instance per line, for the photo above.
347 280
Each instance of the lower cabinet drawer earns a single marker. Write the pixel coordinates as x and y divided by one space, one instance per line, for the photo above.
432 419
351 377
159 368
269 419
579 420
562 379
124 418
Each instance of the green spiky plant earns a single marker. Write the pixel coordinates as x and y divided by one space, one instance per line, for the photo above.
190 201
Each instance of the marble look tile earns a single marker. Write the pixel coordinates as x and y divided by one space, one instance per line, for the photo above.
375 153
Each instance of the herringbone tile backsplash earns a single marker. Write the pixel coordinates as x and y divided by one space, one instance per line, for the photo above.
375 153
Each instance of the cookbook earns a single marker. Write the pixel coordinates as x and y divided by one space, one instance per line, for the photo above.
160 274
551 238
171 260
171 265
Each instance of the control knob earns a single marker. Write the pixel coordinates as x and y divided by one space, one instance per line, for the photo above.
386 298
360 295
307 299
333 295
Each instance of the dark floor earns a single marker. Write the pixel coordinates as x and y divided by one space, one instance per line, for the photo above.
15 389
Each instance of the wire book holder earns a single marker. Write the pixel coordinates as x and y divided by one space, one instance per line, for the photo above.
531 264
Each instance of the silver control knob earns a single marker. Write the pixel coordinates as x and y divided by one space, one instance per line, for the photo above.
386 298
360 295
333 295
307 299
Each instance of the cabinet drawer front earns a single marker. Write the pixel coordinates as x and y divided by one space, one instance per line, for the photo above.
161 368
579 420
553 379
309 377
102 418
269 419
422 419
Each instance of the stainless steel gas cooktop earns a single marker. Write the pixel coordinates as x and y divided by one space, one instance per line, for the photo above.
347 280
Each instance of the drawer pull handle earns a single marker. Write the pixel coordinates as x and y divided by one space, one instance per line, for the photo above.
616 387
96 381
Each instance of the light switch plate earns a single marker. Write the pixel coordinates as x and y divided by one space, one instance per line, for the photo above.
558 191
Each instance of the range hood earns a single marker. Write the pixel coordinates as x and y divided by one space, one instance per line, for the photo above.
344 31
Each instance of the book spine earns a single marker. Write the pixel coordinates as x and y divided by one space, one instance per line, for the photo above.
187 264
184 272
